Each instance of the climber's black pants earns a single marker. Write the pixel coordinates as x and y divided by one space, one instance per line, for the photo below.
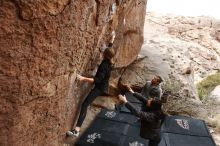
89 99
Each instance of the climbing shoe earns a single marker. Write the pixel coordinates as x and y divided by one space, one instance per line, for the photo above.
72 133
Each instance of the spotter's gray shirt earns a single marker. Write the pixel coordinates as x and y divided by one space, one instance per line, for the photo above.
148 87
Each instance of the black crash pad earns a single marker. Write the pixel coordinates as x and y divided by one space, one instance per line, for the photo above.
118 129
170 139
96 137
119 117
123 108
134 141
110 126
184 125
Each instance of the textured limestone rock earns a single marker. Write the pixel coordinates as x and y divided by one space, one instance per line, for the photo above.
139 72
130 32
216 93
181 49
43 44
217 35
163 57
107 102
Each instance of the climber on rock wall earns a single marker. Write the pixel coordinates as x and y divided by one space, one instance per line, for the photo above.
101 83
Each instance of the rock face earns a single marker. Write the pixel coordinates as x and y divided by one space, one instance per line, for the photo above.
216 93
183 50
43 45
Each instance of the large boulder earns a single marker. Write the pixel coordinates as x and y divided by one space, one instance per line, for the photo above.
215 93
44 44
180 49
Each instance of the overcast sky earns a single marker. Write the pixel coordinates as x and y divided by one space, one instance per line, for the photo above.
186 7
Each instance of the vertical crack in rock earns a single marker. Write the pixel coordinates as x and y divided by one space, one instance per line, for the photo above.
97 12
18 10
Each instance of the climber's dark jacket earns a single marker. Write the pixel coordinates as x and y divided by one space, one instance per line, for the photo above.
101 79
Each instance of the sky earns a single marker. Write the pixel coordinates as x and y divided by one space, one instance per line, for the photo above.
186 7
